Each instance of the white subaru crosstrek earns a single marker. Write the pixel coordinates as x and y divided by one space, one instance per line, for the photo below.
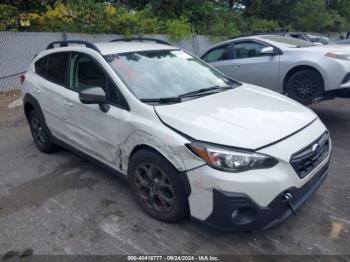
191 141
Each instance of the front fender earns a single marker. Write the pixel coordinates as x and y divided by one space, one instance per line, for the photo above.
166 147
286 69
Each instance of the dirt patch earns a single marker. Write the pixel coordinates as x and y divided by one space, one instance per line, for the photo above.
10 116
7 97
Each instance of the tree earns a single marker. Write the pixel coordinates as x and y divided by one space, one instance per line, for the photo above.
311 15
342 10
209 17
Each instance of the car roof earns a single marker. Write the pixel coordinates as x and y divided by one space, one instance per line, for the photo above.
248 37
295 32
108 48
308 33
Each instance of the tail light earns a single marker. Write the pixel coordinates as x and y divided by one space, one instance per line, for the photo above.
22 78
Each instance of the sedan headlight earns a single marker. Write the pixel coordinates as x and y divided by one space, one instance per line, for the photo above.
339 55
231 160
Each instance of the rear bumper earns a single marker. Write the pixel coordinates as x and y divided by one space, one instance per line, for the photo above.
238 212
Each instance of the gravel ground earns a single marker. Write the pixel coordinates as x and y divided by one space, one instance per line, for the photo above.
61 204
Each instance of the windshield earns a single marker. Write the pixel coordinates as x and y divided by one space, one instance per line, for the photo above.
288 41
320 39
164 73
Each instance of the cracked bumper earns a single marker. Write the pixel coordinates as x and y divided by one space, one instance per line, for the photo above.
238 212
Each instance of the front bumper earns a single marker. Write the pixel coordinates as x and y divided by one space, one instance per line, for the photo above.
342 92
260 189
238 212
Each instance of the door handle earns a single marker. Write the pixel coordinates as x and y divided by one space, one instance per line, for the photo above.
236 65
68 103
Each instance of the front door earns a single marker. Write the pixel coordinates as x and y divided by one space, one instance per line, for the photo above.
221 59
250 66
95 132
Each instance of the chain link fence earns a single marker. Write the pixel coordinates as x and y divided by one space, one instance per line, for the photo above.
17 50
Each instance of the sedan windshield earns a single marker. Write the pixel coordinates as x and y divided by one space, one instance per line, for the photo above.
166 74
287 41
320 39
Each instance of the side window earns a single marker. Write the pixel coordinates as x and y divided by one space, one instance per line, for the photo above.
247 50
40 66
57 68
85 73
218 54
296 36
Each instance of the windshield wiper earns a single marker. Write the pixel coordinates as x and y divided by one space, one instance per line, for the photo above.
205 91
163 100
178 99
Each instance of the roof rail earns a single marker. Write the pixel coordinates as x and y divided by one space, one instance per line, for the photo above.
141 39
66 42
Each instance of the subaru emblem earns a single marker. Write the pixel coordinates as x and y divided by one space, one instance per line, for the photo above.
316 148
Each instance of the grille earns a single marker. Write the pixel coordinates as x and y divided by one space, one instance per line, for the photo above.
346 79
305 160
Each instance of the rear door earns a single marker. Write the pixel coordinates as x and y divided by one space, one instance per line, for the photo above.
53 71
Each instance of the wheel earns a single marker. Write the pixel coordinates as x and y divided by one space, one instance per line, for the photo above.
157 187
305 85
40 133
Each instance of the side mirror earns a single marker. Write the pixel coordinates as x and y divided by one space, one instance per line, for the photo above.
94 95
269 50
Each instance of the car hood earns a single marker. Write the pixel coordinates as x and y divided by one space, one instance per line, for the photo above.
330 48
245 117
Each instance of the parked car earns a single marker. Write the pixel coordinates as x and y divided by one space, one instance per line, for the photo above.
190 140
315 38
299 69
343 42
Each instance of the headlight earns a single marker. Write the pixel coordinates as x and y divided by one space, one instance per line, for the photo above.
229 160
339 55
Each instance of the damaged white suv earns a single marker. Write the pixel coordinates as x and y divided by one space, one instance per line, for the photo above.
191 141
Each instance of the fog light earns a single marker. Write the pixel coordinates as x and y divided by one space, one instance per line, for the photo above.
243 215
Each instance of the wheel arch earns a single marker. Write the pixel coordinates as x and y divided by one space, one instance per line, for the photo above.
182 174
300 68
30 103
144 146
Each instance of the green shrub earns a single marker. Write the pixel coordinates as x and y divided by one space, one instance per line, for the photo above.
256 25
8 17
178 19
177 29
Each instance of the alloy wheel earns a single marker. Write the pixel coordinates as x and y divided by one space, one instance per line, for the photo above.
154 187
304 87
38 131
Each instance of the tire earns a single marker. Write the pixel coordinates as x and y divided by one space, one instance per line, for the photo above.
157 187
304 86
40 133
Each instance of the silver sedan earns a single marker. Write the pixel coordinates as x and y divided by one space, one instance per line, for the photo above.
305 72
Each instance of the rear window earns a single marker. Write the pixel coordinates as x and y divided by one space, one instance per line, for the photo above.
57 68
287 41
320 39
40 66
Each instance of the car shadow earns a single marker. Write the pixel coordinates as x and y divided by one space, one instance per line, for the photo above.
335 114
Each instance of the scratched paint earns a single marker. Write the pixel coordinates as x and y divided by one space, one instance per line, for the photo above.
139 137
